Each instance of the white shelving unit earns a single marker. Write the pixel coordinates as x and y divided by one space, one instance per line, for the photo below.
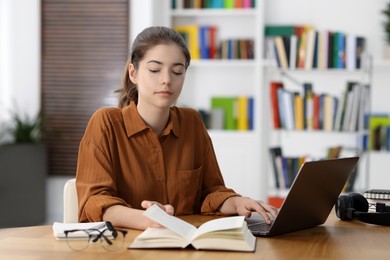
314 143
243 156
239 153
336 16
379 177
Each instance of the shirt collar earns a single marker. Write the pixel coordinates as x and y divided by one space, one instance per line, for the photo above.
135 124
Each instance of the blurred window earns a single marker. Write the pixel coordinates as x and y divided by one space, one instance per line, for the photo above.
84 49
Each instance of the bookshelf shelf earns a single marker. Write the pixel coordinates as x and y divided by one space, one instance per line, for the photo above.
328 71
207 12
223 63
315 132
223 134
381 63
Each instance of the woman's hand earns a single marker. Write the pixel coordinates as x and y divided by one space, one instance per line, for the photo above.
245 206
127 217
167 208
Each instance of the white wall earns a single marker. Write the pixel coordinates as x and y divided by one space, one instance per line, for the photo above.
20 54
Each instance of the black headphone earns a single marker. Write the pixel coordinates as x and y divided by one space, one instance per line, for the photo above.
355 205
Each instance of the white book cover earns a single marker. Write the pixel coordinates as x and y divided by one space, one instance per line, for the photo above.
350 52
59 228
293 51
310 49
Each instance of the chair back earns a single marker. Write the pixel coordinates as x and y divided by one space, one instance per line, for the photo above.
70 202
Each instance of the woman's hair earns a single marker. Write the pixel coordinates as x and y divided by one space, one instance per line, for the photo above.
145 40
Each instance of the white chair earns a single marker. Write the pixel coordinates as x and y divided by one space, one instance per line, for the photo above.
70 202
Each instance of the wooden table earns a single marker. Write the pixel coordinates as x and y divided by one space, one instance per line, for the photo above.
335 239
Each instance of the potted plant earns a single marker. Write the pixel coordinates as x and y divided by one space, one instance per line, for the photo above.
23 162
386 25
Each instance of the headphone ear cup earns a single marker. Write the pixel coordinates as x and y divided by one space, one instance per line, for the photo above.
358 202
343 203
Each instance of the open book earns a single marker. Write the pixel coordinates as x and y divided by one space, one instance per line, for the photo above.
230 233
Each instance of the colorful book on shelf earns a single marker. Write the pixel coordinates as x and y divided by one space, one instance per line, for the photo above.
286 54
309 51
360 49
376 121
229 106
279 30
228 4
315 51
356 103
204 42
308 105
338 50
281 52
276 161
228 233
352 97
243 113
276 201
191 34
274 86
298 110
322 50
339 111
248 3
364 108
284 168
345 108
316 111
329 107
321 111
330 50
251 113
294 40
212 42
350 52
334 152
215 4
303 47
287 109
307 48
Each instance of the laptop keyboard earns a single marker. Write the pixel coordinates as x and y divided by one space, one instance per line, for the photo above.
259 227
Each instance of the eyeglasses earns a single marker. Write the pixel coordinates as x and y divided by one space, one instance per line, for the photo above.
111 239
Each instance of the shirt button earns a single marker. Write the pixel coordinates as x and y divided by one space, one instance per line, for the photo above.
156 150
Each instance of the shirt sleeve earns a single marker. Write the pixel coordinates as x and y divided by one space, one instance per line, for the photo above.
215 193
95 182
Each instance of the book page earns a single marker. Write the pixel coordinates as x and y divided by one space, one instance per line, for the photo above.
175 224
220 224
159 238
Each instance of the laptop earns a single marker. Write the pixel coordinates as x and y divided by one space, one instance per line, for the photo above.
310 199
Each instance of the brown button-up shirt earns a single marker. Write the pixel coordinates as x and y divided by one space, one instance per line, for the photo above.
123 162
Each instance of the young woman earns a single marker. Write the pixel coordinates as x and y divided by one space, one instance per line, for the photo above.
149 151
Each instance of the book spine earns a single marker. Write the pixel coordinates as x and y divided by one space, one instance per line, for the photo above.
242 119
275 154
274 86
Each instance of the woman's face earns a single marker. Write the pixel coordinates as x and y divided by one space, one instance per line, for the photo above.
160 76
